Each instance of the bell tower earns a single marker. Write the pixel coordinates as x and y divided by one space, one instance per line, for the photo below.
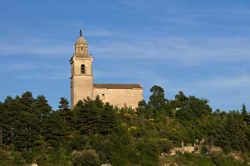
81 72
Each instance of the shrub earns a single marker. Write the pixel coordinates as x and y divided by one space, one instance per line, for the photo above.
203 149
86 158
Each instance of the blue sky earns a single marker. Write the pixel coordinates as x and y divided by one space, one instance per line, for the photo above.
199 47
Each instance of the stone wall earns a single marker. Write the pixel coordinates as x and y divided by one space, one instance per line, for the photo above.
120 97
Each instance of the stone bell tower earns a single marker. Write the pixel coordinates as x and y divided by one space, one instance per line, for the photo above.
81 72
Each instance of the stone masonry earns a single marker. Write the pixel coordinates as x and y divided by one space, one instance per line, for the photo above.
82 82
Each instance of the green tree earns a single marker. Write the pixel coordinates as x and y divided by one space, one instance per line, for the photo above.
190 108
44 109
157 100
108 122
234 132
10 113
66 113
26 126
246 116
86 117
2 115
25 131
55 130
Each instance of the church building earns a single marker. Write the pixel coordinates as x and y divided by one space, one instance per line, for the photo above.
82 82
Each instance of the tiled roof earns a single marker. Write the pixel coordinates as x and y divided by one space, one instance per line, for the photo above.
118 86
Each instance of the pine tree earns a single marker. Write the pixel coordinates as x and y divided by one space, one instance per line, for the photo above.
10 114
64 103
2 115
55 130
86 119
26 126
246 116
44 109
65 112
108 122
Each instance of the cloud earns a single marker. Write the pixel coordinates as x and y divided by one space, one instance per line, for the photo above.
33 48
239 82
14 67
178 50
50 75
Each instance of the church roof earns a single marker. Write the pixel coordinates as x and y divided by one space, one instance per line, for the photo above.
81 40
118 86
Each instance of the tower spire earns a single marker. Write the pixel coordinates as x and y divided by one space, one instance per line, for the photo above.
80 32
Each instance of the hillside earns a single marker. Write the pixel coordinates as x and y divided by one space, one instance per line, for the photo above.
94 133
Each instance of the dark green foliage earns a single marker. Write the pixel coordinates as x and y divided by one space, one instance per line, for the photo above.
107 121
234 132
54 130
190 108
28 156
157 99
86 158
64 104
25 131
203 149
189 159
42 106
86 117
221 160
66 113
94 133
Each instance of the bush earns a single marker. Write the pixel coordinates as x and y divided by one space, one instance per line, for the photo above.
86 158
203 149
29 157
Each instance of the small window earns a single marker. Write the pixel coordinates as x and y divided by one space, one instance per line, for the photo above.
83 69
103 97
81 47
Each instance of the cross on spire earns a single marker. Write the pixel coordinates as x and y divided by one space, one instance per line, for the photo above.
80 32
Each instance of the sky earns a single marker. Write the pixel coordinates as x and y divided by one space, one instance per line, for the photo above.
199 47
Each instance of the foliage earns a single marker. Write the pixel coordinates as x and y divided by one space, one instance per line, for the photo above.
94 133
86 158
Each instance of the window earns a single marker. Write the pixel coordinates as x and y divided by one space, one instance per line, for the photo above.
81 47
83 69
103 97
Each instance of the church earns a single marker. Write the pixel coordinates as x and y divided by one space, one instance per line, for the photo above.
82 82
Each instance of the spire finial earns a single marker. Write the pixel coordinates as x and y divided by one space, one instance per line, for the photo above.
80 32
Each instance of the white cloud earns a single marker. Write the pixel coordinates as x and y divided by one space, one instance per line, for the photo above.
16 66
242 81
181 50
33 49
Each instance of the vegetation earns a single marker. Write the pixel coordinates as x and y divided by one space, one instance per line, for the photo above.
94 133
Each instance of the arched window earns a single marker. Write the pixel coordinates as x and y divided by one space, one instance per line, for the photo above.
83 69
103 96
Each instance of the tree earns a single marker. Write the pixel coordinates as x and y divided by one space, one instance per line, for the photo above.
66 113
108 123
25 131
157 100
190 108
2 115
26 126
10 113
86 119
246 116
64 104
44 109
55 130
234 133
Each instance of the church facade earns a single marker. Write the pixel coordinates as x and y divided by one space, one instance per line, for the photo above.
82 82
